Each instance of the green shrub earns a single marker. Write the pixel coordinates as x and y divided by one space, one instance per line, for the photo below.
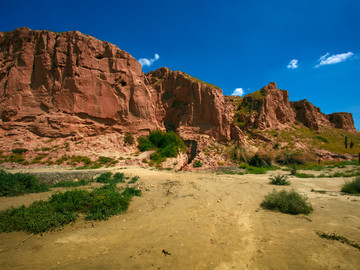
289 202
63 208
197 164
104 178
129 139
20 183
119 177
166 145
134 179
145 144
280 180
352 187
19 150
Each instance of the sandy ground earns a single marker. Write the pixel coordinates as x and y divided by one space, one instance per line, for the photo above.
205 221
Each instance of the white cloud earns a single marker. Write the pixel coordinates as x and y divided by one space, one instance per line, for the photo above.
293 64
148 62
333 59
238 92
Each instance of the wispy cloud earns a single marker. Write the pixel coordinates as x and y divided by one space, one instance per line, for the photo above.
333 59
148 62
293 64
238 92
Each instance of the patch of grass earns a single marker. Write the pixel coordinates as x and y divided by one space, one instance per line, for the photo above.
312 167
200 81
352 187
336 237
256 170
134 179
106 161
20 183
81 182
197 164
320 138
63 208
304 175
289 202
279 180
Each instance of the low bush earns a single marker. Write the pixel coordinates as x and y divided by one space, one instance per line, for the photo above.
280 180
119 177
134 179
197 164
289 202
104 178
109 178
20 183
19 150
166 144
352 187
63 208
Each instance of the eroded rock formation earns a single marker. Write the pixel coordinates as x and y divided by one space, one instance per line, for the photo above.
59 84
270 108
71 84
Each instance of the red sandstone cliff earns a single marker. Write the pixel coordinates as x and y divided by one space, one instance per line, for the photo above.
58 84
66 84
270 108
191 106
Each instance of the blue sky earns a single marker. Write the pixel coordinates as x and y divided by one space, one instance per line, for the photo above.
232 44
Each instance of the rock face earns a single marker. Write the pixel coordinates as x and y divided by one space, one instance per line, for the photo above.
70 84
342 120
309 115
266 108
270 108
58 84
191 106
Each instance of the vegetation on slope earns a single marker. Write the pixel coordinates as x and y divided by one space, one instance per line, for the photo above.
166 144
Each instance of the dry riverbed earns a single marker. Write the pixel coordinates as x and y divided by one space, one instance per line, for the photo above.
197 220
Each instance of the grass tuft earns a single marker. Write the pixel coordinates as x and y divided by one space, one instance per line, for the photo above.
289 202
352 187
279 180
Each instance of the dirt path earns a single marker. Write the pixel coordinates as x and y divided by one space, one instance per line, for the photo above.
205 221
